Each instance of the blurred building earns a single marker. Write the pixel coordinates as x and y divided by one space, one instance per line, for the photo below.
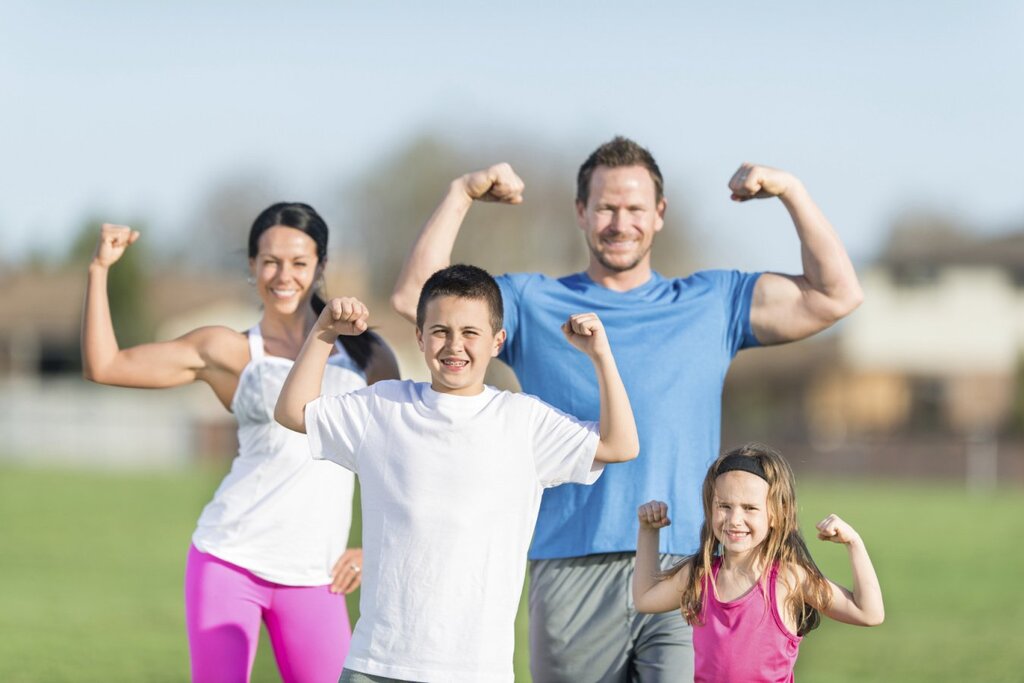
924 377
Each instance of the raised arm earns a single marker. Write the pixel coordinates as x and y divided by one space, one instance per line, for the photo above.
340 316
790 307
651 593
863 605
619 441
432 249
163 364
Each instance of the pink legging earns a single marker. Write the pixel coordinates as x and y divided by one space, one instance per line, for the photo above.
224 603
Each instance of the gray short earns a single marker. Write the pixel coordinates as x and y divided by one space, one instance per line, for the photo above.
349 676
584 629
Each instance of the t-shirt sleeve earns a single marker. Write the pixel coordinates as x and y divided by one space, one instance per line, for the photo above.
738 291
335 426
511 285
563 447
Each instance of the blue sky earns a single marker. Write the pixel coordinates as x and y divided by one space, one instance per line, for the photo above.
136 108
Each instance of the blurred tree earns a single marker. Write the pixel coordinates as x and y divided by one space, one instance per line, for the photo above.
222 223
385 207
126 284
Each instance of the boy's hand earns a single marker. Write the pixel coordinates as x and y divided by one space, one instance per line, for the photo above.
832 528
114 239
499 183
653 515
344 315
586 333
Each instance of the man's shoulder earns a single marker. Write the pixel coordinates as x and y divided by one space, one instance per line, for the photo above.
521 281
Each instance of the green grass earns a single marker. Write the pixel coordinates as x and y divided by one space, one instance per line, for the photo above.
91 571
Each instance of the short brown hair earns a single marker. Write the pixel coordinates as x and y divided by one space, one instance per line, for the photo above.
465 282
617 153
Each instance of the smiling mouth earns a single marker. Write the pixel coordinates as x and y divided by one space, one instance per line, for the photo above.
284 293
454 363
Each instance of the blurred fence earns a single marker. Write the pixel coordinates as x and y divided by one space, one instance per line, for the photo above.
70 422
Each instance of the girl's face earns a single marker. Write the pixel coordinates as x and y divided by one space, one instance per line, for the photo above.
740 512
285 269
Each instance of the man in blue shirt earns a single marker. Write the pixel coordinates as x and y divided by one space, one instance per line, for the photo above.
675 338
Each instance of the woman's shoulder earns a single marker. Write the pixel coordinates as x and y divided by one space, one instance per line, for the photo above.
220 346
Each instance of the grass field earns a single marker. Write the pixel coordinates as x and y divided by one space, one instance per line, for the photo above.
91 571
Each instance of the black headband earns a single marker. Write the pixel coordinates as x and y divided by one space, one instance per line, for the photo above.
741 463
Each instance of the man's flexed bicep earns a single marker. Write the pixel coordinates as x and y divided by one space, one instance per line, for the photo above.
790 307
432 249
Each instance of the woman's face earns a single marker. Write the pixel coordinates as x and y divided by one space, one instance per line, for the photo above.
285 268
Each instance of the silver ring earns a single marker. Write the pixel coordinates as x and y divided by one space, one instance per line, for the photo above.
356 568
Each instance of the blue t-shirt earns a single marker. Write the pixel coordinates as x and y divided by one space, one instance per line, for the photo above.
673 341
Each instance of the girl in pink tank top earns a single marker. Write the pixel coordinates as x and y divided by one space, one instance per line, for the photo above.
751 591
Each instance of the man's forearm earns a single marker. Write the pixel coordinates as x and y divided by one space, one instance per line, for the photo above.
432 249
828 270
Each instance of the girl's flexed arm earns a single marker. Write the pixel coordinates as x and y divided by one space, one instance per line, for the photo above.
650 592
863 605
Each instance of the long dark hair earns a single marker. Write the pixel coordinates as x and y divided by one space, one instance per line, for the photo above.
304 217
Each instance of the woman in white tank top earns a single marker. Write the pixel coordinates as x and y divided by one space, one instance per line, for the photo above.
270 546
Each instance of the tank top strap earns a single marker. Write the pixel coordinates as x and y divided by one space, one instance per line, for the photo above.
255 343
773 578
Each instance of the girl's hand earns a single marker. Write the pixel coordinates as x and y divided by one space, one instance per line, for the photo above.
832 528
653 515
114 239
344 315
586 332
347 573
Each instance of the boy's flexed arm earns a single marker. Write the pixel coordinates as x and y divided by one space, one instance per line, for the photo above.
340 316
619 440
432 249
863 605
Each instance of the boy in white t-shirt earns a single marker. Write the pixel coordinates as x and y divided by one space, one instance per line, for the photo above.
451 475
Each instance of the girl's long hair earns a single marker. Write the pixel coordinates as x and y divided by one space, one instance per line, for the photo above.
784 545
304 217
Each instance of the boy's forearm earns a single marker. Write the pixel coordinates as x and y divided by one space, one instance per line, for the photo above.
619 439
303 382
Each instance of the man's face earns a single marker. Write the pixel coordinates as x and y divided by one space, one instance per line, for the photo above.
620 217
457 343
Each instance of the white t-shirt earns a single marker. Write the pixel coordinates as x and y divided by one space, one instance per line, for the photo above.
277 513
451 486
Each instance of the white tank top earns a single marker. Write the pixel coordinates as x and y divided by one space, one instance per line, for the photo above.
278 513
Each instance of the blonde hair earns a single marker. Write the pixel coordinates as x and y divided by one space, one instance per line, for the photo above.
784 545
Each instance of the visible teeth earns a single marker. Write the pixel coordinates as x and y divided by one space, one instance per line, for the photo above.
454 362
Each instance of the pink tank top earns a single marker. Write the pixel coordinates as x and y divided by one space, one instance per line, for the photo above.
742 641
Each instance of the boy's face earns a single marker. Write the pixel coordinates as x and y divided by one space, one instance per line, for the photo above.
458 343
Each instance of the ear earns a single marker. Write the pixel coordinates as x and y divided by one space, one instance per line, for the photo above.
581 215
659 222
419 338
499 341
252 267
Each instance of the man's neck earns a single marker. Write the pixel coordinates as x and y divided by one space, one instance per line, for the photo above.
620 280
